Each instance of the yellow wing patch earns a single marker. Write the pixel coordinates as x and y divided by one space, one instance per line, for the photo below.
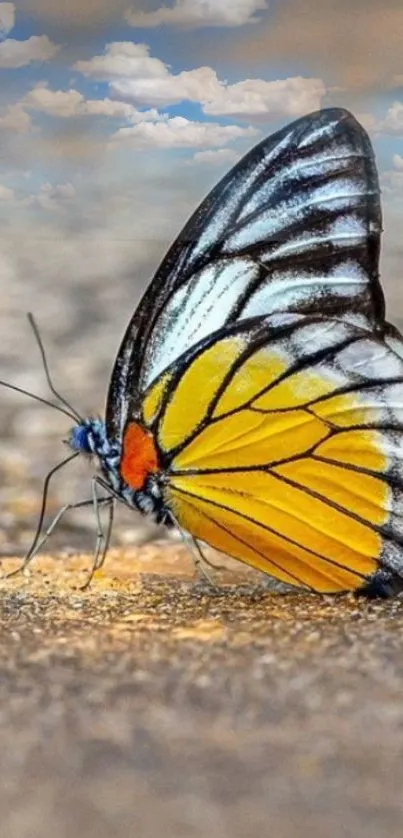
248 438
296 390
153 398
361 448
289 511
363 495
196 389
342 411
277 528
259 371
247 542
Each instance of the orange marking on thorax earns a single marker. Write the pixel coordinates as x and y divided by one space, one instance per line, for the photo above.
139 456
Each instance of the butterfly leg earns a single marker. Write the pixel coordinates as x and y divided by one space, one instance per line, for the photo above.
38 544
206 561
200 562
103 554
198 558
102 539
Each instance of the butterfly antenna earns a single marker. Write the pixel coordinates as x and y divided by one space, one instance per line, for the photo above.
73 413
68 413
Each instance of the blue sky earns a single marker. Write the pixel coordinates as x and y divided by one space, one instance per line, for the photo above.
115 121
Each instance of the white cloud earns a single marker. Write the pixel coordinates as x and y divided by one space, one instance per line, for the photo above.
392 179
7 18
136 77
122 59
15 119
398 162
196 13
250 99
71 103
63 103
255 98
189 85
6 194
179 132
62 191
120 110
52 197
14 54
216 157
392 183
393 122
367 120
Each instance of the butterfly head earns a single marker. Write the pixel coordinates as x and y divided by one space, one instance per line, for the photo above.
88 437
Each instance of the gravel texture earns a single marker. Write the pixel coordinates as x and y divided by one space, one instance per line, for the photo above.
150 705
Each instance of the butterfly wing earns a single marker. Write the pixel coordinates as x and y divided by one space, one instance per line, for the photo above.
293 227
288 456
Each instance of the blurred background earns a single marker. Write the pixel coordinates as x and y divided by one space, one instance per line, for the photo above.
114 123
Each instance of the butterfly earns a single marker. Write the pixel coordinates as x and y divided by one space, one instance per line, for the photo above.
256 400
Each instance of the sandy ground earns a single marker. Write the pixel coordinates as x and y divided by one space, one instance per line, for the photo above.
151 706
